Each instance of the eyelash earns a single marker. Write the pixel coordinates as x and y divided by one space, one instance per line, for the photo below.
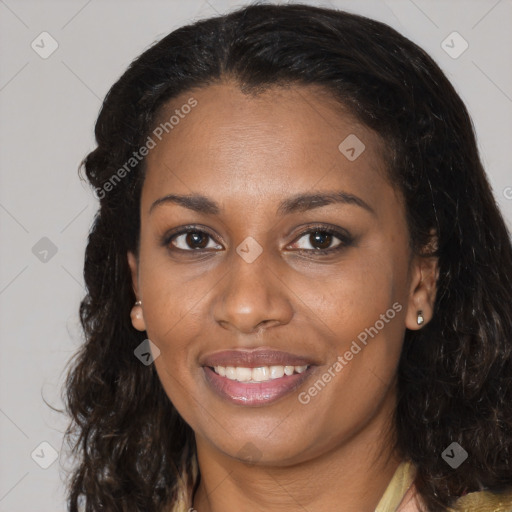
345 239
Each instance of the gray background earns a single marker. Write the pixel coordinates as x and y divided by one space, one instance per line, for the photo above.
48 108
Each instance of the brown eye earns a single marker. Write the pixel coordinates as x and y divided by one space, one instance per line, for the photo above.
321 241
195 240
192 240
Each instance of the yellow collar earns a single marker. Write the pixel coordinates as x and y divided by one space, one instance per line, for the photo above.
402 480
397 488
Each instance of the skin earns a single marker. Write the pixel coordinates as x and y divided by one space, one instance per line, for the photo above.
248 154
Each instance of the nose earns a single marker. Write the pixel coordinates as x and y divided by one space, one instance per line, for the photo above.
252 296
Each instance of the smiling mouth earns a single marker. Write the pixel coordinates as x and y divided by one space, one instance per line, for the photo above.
255 377
258 374
258 386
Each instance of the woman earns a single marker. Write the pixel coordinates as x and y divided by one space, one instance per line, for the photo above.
298 281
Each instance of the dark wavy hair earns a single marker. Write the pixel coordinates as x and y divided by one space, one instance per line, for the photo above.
455 374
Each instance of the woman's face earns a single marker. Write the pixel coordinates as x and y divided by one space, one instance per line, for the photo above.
233 277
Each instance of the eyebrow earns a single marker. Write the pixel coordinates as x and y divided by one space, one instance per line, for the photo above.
297 203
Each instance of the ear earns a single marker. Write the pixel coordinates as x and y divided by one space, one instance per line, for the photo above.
134 265
422 292
137 314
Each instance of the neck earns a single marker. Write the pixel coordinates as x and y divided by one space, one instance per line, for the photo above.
354 472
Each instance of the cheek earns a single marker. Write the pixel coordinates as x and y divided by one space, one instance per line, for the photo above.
171 301
354 296
363 309
366 335
175 323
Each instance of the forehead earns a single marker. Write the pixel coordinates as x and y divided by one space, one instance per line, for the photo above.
281 141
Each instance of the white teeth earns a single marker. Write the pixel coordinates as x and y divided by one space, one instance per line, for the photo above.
259 374
289 370
243 374
276 372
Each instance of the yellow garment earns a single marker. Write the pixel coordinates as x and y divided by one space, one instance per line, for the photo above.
483 501
397 487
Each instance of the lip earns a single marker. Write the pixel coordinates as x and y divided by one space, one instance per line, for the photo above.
254 358
254 393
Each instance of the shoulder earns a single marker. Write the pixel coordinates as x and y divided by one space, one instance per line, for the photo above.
484 501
